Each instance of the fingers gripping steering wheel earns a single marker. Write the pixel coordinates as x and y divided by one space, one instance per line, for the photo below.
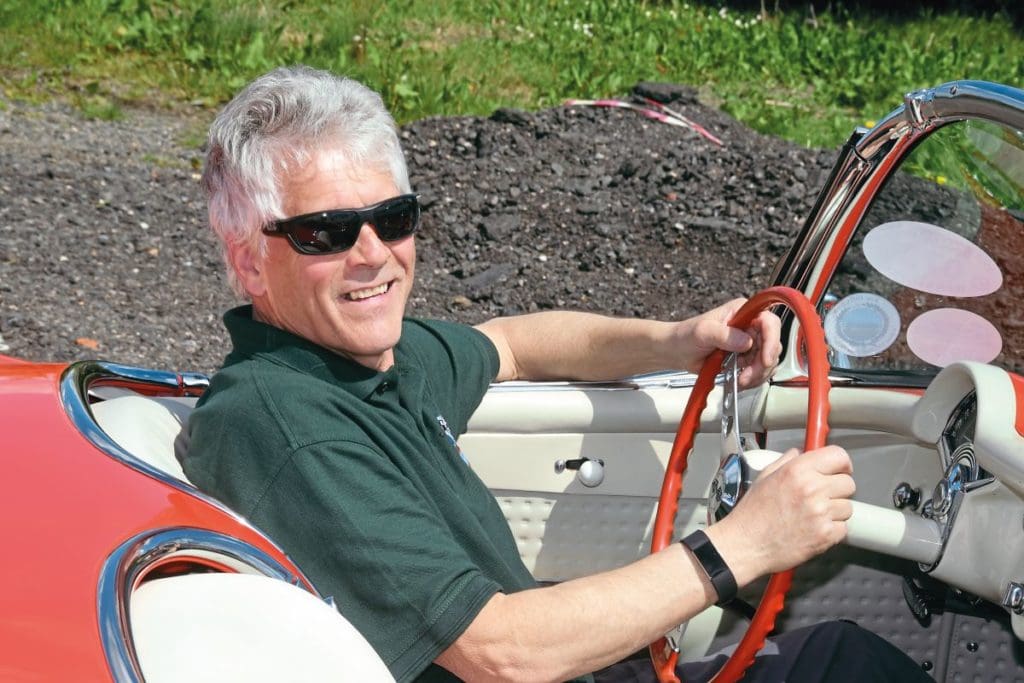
663 655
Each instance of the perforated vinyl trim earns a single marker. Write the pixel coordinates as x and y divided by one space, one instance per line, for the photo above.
985 651
565 536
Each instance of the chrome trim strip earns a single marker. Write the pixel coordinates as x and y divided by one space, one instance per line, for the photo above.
74 390
669 379
128 563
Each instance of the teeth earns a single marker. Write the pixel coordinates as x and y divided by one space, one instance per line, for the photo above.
367 293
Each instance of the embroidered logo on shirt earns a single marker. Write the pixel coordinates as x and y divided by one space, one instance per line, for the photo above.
451 438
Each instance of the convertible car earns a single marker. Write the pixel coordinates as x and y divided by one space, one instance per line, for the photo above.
903 308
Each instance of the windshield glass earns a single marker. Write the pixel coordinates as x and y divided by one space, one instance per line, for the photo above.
935 273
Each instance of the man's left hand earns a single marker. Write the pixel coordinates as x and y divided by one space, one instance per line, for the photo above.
759 345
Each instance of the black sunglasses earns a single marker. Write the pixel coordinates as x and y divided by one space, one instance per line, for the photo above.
330 232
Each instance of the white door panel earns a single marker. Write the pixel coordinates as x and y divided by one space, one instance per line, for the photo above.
634 464
564 529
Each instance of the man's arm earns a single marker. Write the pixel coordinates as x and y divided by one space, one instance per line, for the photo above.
796 510
571 345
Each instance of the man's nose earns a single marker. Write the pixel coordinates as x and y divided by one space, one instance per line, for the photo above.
369 248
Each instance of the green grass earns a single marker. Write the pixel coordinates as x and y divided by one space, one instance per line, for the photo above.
810 79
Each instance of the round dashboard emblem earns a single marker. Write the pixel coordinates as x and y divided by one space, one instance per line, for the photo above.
862 324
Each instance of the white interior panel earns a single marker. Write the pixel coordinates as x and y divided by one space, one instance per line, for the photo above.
237 627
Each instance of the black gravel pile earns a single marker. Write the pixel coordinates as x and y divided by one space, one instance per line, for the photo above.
104 251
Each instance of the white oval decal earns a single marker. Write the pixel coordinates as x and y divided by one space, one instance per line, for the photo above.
946 335
931 259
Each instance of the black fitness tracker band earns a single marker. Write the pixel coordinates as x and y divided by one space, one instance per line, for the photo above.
713 565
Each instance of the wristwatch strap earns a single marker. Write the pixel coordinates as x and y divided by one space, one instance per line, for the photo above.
713 565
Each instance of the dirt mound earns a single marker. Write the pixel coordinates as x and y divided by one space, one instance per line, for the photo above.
104 251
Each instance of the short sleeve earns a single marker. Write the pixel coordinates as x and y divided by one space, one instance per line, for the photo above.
406 584
459 361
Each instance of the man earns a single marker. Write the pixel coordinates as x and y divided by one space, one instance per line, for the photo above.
332 424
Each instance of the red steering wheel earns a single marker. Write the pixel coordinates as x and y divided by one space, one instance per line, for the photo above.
664 657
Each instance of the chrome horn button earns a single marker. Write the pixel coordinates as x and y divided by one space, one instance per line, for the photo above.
730 483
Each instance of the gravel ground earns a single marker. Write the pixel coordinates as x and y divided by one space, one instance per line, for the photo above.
105 253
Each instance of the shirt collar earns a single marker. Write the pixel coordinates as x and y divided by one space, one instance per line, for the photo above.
251 338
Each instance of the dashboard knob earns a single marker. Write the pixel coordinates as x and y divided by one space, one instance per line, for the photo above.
1014 597
942 499
589 471
906 496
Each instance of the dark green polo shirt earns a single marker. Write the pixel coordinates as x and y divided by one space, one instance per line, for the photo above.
357 475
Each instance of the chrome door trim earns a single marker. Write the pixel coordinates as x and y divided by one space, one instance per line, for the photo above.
669 379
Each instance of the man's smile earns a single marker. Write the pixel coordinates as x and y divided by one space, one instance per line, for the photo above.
360 294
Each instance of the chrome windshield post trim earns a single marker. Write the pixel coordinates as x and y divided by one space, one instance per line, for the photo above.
810 240
128 563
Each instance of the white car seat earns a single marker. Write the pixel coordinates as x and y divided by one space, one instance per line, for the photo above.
152 429
241 627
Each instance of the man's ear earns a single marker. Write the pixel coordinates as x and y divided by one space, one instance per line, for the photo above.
248 266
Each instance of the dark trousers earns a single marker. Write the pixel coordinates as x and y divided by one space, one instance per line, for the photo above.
832 652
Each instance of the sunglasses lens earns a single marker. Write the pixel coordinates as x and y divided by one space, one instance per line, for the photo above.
325 236
335 231
397 219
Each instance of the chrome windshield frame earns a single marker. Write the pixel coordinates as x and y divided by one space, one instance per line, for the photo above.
870 155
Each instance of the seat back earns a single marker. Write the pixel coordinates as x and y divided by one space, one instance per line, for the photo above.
153 429
239 627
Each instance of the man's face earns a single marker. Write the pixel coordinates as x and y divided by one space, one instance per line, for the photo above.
351 302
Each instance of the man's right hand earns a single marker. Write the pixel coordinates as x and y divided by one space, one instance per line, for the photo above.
795 510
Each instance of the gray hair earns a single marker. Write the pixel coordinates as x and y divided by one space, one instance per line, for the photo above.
274 126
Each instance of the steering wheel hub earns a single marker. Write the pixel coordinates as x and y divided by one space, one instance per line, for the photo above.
728 486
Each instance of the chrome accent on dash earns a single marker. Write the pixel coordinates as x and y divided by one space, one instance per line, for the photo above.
906 496
962 476
1013 598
